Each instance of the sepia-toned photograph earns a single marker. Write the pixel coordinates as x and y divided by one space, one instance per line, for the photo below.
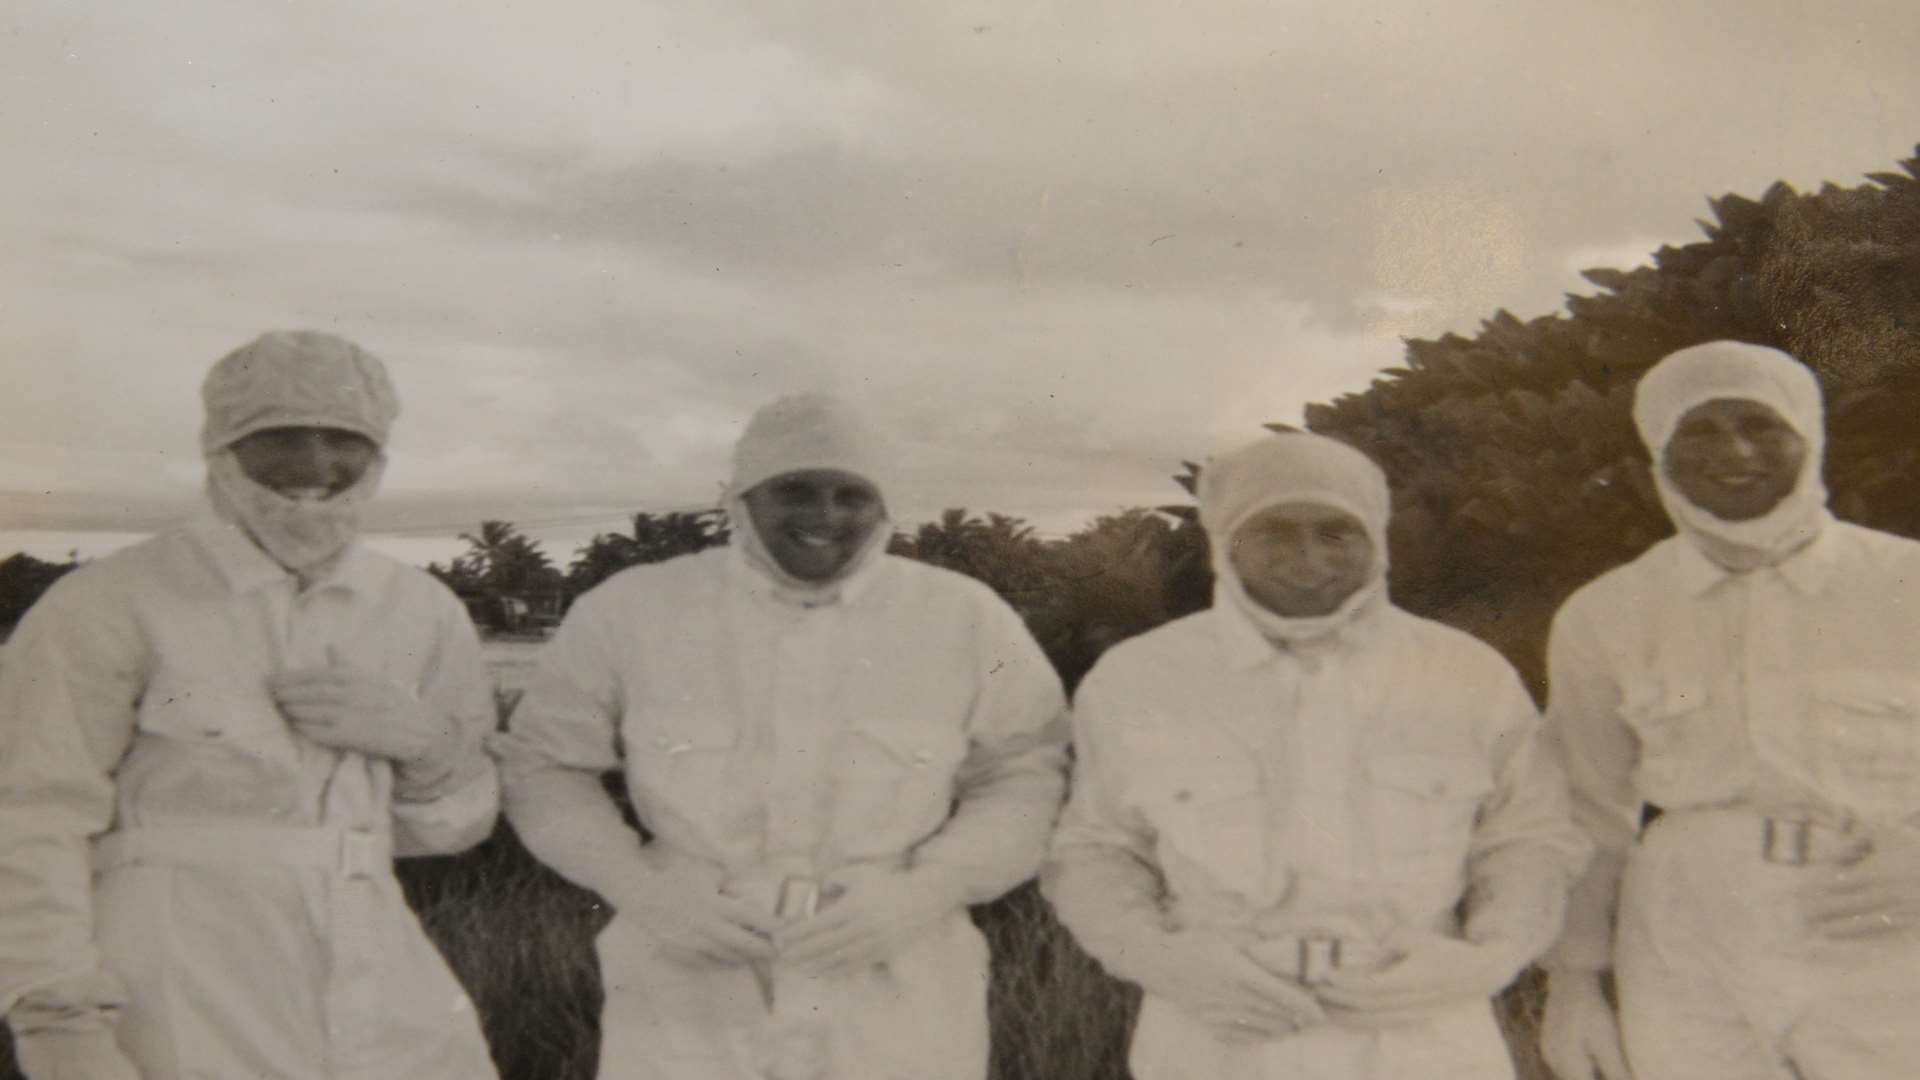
1155 540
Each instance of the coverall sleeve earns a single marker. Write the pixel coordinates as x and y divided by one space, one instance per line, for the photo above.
1101 877
561 737
457 809
1598 751
1526 849
72 677
1007 793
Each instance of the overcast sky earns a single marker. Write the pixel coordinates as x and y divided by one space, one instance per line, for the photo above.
1056 246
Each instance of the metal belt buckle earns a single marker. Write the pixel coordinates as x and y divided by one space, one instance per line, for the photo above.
1319 957
799 898
1789 843
362 853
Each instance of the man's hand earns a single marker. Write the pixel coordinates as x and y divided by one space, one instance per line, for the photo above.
875 916
1431 972
698 925
1213 980
90 1054
347 708
1876 895
1579 1036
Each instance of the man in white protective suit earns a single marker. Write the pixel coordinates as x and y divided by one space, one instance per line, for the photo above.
214 743
834 750
1317 831
1754 678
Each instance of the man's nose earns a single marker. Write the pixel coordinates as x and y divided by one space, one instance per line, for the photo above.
318 458
1739 447
813 509
1308 558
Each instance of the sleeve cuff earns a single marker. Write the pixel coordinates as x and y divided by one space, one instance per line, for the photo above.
73 1003
456 818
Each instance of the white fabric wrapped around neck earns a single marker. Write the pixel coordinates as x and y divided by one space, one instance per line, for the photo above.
303 535
1293 468
1734 370
794 434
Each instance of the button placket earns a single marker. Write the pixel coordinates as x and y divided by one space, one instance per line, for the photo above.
797 737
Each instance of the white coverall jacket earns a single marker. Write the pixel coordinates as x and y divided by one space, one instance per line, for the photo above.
913 720
1788 692
163 830
1356 787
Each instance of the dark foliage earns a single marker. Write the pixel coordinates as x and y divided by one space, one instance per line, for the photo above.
655 538
22 579
1516 470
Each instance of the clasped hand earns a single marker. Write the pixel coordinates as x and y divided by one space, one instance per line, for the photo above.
871 918
1430 972
1873 896
697 925
347 708
865 922
1214 980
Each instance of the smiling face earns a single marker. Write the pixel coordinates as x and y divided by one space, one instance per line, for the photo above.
1734 458
306 463
1301 559
813 522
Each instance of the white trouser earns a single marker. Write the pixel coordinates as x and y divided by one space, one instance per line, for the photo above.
922 1015
1459 1042
276 953
1719 979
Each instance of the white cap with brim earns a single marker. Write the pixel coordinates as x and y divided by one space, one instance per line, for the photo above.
299 378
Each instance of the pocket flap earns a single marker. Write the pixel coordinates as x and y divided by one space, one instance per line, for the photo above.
1868 692
918 746
206 708
1202 791
1669 699
1433 776
672 732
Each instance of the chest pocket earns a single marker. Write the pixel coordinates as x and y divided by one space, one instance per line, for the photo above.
684 753
892 783
207 745
1423 810
1685 743
1858 744
1209 817
212 708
